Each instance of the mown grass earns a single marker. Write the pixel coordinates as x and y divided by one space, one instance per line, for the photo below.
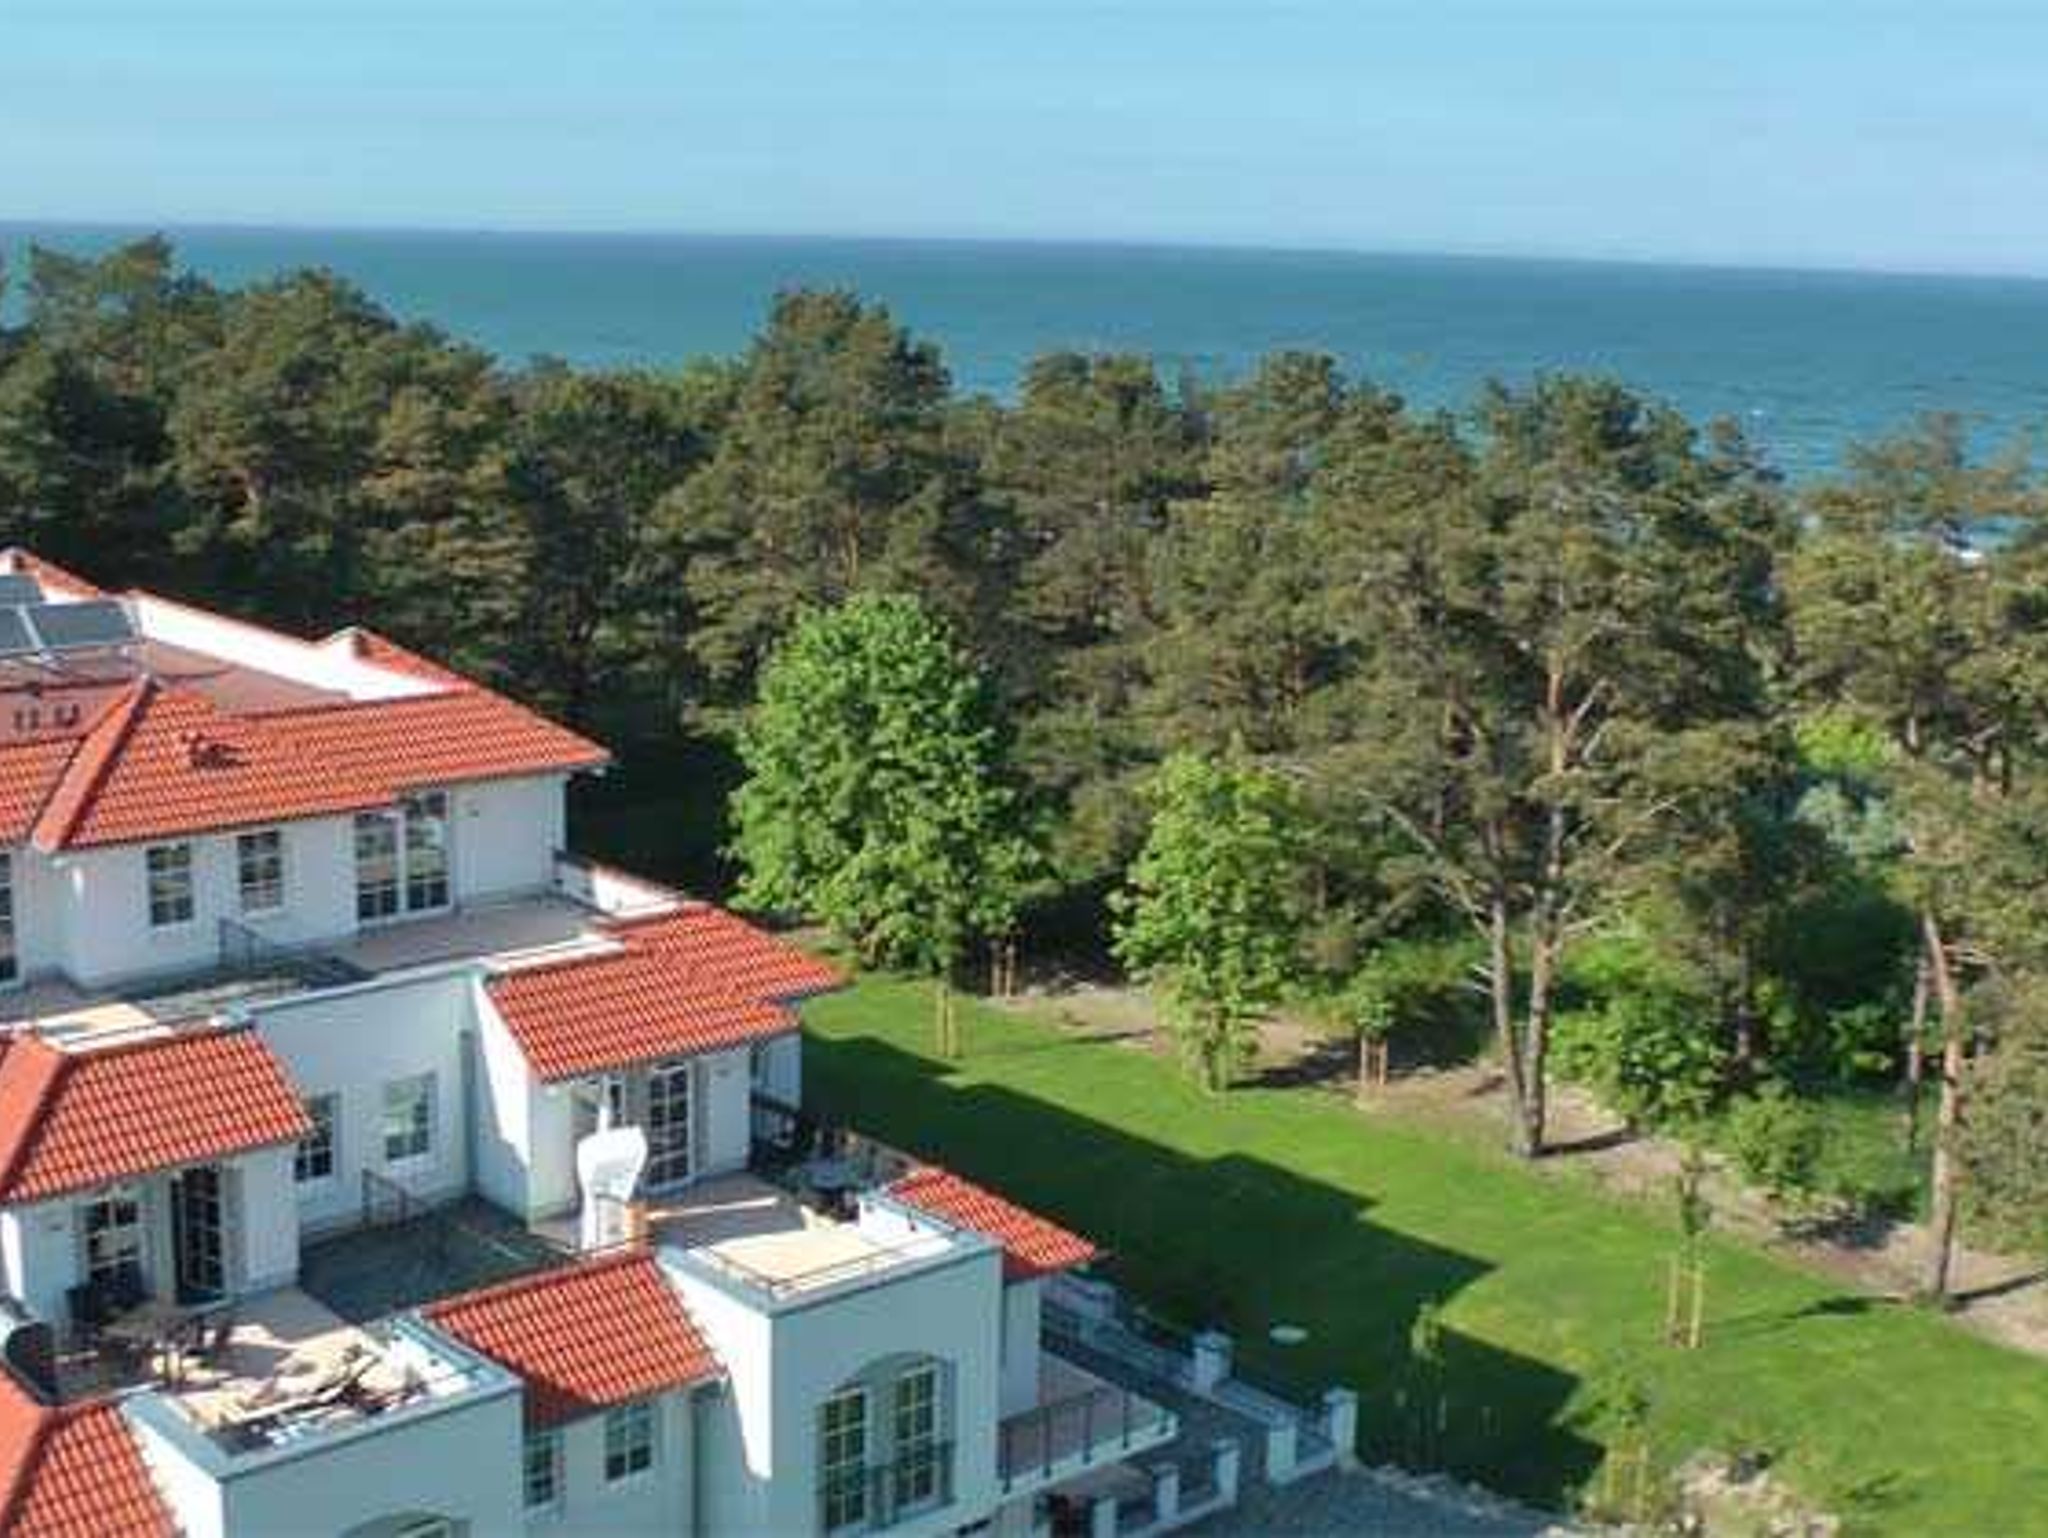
1271 1205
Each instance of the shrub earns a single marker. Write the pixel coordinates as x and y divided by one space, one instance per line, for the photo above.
1776 1141
1651 1056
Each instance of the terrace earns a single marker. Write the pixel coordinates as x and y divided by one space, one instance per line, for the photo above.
290 1372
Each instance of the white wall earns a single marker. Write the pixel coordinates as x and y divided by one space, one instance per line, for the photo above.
505 835
1021 1320
97 902
656 1502
760 1441
40 1248
724 1096
352 1042
507 1108
268 1219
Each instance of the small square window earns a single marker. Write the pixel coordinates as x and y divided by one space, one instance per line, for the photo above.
409 1118
259 863
314 1158
543 1469
170 885
628 1441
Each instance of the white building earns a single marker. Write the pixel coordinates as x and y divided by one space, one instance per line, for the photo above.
369 1166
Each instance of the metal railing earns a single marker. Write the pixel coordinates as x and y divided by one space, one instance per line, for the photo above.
386 1203
1099 1423
243 950
884 1494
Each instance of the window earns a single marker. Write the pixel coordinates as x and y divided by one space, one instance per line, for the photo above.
113 1236
426 851
916 1475
314 1158
543 1469
408 1118
10 963
843 1459
628 1441
170 885
402 858
259 862
376 866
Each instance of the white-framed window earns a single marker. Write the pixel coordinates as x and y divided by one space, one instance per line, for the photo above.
541 1465
914 1410
259 868
313 1160
376 866
402 858
628 1441
426 851
843 1459
408 1118
170 885
113 1234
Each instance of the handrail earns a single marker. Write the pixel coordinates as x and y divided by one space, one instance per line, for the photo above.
1108 1417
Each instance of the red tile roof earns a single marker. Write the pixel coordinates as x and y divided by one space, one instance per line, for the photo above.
442 738
585 1337
73 1472
1032 1246
162 762
692 980
73 1120
147 759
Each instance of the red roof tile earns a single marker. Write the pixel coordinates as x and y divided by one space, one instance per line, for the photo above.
585 1337
1032 1246
29 771
73 1472
437 739
692 980
381 651
162 762
73 1120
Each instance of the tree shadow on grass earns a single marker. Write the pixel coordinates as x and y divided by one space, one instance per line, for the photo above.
1240 1244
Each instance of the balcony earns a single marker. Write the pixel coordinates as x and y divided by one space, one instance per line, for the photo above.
886 1495
1080 1423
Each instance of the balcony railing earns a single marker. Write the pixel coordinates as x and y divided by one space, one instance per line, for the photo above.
885 1494
1098 1425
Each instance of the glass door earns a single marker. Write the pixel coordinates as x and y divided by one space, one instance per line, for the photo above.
199 1234
668 1126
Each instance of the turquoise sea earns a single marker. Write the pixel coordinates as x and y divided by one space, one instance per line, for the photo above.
1806 361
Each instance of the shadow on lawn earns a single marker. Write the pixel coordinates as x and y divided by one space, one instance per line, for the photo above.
1241 1244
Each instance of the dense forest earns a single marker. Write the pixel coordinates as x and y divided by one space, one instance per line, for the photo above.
1559 727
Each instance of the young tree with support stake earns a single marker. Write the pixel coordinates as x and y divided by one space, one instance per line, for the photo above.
1211 915
878 798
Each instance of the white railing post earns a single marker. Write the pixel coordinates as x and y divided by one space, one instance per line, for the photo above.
1102 1517
1228 1455
1165 1493
1281 1448
1213 1353
1340 1424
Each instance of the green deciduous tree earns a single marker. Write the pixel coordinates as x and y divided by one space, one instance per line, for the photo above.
1211 914
878 798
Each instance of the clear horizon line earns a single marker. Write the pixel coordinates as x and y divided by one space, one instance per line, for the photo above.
1398 251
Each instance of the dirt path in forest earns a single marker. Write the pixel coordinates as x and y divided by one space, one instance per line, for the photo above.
2004 1298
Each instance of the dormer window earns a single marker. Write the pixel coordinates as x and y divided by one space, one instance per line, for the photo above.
171 900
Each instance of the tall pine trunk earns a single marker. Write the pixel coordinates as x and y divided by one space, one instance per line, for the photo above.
1941 1221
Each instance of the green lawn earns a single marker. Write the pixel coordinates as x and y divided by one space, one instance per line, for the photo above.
1273 1205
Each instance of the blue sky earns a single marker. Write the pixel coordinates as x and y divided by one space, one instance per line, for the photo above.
1809 132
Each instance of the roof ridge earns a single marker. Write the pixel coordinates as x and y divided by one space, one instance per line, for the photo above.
97 753
31 1071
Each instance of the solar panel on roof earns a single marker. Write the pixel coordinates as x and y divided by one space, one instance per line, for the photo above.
15 636
70 626
18 587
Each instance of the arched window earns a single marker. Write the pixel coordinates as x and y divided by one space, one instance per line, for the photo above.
885 1451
